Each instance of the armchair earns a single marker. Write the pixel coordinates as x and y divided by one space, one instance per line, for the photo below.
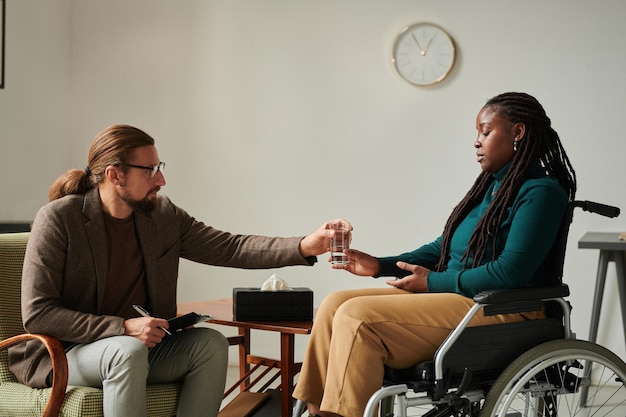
59 400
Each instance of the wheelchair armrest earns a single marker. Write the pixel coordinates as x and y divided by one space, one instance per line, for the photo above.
518 300
59 367
524 294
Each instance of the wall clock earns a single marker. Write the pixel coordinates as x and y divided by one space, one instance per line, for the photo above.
423 54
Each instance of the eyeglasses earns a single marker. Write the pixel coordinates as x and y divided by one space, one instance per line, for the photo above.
153 169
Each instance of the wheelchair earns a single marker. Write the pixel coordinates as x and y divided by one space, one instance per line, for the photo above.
532 368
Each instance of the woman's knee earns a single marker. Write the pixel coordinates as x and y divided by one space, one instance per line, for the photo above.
332 302
354 309
336 299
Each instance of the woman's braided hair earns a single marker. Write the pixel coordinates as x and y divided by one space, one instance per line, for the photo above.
541 143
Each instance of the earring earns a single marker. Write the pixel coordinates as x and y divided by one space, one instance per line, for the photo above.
515 144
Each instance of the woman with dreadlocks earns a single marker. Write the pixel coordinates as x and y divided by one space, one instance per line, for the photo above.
496 237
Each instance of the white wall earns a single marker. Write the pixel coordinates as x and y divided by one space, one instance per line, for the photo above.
274 116
34 105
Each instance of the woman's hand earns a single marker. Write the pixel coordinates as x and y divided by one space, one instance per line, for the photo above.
416 282
360 263
149 330
318 242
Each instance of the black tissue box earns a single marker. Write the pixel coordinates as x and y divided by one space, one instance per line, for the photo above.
252 304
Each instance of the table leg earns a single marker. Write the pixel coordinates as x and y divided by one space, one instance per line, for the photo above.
244 351
597 297
621 284
603 262
287 372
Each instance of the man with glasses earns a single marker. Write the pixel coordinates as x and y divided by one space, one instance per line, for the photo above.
107 241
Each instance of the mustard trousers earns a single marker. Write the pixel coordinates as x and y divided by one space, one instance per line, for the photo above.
356 331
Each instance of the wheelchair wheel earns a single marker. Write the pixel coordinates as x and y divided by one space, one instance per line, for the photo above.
552 379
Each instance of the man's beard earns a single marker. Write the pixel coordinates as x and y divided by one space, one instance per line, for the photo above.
143 206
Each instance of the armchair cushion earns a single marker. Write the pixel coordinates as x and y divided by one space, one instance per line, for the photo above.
23 401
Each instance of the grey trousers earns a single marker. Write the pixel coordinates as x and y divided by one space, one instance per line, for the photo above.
122 366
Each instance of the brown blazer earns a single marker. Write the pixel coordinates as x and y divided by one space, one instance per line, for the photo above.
65 269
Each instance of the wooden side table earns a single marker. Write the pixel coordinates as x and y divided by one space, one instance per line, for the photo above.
222 312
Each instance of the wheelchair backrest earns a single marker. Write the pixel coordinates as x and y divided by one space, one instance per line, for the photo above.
552 267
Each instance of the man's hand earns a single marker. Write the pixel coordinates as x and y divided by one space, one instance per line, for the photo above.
318 242
149 330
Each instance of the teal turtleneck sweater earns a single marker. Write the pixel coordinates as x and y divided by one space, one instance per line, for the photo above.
524 240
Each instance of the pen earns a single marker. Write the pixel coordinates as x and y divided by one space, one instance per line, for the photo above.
144 313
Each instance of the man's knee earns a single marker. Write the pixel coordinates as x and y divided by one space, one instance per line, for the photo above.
126 347
208 342
126 352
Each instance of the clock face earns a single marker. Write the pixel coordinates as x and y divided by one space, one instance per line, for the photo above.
423 54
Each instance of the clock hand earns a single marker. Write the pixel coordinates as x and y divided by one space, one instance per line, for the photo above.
428 46
418 44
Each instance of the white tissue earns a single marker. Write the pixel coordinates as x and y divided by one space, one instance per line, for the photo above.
275 283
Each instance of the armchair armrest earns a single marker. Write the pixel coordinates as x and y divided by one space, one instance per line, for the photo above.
59 367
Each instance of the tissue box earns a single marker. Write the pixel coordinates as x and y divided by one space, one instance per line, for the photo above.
252 304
